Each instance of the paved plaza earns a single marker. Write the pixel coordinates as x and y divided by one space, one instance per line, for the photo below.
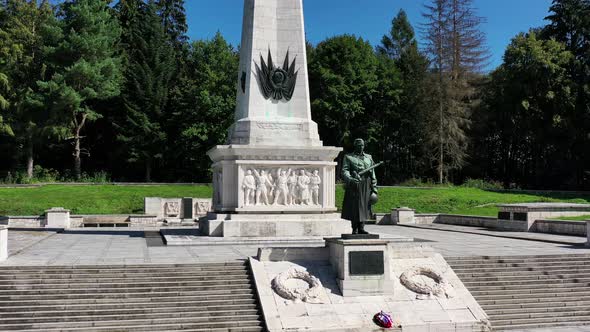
85 247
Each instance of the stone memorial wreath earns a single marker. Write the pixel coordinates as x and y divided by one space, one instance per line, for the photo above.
441 288
311 294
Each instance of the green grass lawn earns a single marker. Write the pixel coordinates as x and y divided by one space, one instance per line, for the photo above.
99 199
110 199
579 218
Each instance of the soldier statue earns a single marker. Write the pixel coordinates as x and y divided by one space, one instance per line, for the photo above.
358 173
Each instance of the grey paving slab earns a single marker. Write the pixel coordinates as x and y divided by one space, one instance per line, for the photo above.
462 244
19 240
542 237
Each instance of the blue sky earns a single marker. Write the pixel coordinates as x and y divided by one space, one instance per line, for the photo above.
369 19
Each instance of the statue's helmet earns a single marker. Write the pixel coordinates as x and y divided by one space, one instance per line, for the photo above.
373 199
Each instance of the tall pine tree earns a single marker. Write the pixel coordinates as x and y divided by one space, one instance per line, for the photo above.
88 68
151 63
27 37
458 52
405 131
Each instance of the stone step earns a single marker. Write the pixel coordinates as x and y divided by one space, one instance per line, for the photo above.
65 319
554 283
197 271
468 274
549 281
537 270
118 306
531 291
523 278
121 295
516 259
527 315
124 284
94 311
205 299
123 290
545 326
526 257
213 327
127 325
535 306
66 276
541 320
241 263
559 297
544 309
128 279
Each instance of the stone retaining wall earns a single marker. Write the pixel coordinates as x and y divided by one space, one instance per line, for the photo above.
588 233
564 227
77 221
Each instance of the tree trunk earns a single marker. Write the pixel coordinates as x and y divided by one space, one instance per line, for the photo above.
77 159
30 159
148 170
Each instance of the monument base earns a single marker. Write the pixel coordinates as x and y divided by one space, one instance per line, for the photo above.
274 225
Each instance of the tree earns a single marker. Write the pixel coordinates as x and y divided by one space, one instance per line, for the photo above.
570 24
88 68
526 99
343 79
27 36
145 94
458 52
204 105
405 132
173 16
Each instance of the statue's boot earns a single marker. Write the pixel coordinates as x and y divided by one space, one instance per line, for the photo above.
361 229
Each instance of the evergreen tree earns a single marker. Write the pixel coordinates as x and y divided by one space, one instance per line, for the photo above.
173 16
88 68
145 95
457 50
27 36
204 105
406 129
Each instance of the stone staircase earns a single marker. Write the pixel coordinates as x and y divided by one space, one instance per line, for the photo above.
206 297
522 292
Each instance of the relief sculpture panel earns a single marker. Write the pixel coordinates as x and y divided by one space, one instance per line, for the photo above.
281 186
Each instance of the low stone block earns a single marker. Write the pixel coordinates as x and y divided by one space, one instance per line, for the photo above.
57 218
403 215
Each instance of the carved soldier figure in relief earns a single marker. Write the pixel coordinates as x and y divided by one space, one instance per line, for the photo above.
292 187
315 181
249 186
303 188
262 184
172 209
282 187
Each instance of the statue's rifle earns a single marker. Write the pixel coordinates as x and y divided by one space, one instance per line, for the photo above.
361 173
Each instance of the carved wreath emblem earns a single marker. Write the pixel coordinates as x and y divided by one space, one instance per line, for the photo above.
310 294
438 286
276 82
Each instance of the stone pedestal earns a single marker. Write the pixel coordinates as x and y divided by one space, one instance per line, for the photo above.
3 243
403 215
57 218
274 177
362 266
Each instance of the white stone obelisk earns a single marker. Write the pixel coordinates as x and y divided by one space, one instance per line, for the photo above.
274 178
